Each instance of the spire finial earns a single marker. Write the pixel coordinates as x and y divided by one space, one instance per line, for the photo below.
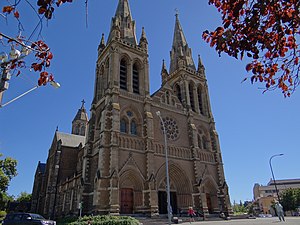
143 40
176 12
200 66
82 106
102 39
56 128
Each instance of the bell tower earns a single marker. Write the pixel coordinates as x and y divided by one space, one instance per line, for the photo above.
80 121
121 80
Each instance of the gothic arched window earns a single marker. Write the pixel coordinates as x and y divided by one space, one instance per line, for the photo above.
77 128
133 127
200 100
204 143
135 79
168 97
82 130
123 126
123 74
178 92
191 92
199 142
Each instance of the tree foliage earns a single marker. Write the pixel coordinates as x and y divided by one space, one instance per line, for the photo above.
265 31
290 199
24 197
8 170
4 200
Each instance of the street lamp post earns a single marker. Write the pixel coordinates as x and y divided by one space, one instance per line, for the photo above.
270 162
53 83
167 168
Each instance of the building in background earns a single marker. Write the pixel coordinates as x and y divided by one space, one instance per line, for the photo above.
265 195
114 163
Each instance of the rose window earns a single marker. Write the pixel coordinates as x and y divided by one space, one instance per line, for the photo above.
171 127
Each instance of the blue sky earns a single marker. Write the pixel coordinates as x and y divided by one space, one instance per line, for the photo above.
252 126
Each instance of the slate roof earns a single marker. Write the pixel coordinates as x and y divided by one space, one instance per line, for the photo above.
70 140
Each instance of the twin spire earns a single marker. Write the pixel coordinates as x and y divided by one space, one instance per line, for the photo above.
181 54
123 27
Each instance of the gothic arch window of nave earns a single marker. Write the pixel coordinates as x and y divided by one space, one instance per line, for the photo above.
128 123
123 125
202 140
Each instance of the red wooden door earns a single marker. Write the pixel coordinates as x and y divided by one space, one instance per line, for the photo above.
126 201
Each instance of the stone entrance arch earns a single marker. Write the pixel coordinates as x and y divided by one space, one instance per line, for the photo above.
180 188
131 192
209 196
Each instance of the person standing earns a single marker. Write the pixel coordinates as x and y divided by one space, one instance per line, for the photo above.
191 214
279 211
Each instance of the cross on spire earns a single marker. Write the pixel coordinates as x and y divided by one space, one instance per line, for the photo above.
82 103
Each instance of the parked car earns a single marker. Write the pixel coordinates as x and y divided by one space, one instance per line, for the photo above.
26 219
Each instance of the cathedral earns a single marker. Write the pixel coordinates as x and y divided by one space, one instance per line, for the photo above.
115 161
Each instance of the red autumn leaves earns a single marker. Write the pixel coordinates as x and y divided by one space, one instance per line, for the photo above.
46 8
42 52
266 32
43 57
9 9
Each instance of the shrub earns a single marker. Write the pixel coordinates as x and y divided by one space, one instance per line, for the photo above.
106 220
2 215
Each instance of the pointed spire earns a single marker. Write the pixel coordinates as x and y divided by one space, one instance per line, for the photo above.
201 68
123 22
164 72
102 44
180 49
80 121
143 40
81 114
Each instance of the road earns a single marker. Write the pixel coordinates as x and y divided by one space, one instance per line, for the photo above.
257 221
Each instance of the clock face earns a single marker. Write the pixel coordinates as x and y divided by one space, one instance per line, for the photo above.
172 131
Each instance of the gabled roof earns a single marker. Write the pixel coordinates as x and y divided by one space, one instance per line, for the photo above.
70 140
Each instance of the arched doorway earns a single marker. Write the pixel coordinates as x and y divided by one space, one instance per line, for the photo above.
131 191
180 189
210 190
162 199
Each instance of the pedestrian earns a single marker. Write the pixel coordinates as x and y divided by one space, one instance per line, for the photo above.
279 211
191 213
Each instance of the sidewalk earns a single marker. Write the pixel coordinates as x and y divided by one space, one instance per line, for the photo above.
257 221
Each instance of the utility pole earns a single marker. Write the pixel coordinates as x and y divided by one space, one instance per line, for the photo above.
5 77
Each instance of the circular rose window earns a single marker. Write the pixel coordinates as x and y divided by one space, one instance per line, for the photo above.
171 127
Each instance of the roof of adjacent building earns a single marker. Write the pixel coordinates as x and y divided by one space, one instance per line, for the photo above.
70 140
284 181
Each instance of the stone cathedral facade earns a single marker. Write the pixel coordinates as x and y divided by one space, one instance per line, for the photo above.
114 162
